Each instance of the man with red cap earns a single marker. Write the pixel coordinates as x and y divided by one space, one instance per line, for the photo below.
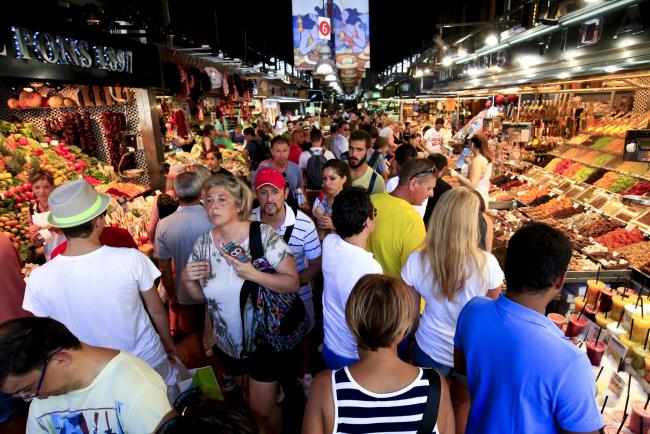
298 231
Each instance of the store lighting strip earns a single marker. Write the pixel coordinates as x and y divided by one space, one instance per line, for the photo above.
535 33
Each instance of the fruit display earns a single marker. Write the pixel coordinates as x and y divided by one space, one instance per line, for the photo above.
234 162
622 183
603 159
607 180
553 164
562 166
638 254
602 142
620 237
550 207
23 148
639 189
583 173
572 169
599 227
595 176
527 197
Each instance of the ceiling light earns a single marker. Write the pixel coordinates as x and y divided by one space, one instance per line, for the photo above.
529 60
473 72
427 70
563 75
418 73
626 42
333 84
446 61
491 40
462 51
330 77
324 67
611 68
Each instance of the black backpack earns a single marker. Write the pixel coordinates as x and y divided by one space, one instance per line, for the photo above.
260 153
314 170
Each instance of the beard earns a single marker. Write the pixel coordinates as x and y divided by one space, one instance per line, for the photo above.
270 209
356 165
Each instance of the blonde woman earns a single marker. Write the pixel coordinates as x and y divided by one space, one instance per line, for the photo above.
217 277
448 273
380 392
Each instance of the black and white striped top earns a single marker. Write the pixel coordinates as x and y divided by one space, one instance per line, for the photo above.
359 411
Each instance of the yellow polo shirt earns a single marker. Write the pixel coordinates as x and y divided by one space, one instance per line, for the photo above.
399 231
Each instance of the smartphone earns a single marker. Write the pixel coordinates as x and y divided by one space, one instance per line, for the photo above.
461 159
235 250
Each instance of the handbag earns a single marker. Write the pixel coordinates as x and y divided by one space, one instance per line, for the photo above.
281 318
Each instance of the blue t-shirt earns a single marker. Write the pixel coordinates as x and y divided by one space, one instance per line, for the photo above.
523 375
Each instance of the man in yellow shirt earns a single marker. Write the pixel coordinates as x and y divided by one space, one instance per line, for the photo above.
399 228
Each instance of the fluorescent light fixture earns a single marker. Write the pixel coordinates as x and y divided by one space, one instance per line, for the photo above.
491 40
473 72
563 75
446 61
475 81
462 51
510 90
611 68
330 77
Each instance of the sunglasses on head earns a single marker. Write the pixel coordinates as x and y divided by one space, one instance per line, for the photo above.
431 170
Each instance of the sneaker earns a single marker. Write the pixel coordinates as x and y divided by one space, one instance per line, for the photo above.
305 382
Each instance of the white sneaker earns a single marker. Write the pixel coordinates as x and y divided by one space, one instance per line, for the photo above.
305 382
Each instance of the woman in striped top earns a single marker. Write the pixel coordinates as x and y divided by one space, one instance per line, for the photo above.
380 393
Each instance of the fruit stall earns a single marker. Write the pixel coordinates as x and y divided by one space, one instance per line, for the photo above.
24 148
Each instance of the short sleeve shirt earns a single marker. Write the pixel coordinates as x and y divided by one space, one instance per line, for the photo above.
306 155
222 286
364 182
523 375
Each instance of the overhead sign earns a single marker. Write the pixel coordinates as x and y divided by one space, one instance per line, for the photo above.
26 53
324 28
309 46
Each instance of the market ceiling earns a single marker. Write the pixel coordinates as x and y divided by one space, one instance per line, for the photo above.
397 28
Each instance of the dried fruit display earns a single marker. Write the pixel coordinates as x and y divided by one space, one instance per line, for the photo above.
607 180
638 254
599 227
620 237
640 188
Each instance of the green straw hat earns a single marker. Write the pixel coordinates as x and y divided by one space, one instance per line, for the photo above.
75 203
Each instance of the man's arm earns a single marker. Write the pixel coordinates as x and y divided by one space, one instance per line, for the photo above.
460 365
309 273
167 277
156 309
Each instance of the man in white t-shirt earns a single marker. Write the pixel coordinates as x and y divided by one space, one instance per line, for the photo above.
340 141
310 169
345 261
75 387
436 138
106 296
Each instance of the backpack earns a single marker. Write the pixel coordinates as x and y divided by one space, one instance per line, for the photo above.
280 320
260 153
314 170
373 160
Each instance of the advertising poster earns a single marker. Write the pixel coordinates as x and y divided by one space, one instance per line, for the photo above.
351 33
307 44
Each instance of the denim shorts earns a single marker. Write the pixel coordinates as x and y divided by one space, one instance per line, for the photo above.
423 360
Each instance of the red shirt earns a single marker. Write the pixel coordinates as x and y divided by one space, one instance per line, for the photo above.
110 236
12 284
294 152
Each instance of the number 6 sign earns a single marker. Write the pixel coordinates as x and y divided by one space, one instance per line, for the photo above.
324 28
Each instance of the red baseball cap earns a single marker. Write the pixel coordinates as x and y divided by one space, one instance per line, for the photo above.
271 177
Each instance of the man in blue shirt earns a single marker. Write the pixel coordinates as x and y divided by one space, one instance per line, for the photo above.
523 375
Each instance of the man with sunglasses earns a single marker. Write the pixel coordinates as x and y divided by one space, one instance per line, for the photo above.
77 387
400 229
340 141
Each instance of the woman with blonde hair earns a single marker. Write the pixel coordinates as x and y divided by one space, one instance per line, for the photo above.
216 273
380 392
450 270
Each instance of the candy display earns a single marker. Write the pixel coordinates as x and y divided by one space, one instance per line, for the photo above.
603 159
638 254
583 173
562 166
602 142
599 227
607 180
595 176
640 188
553 164
622 183
620 237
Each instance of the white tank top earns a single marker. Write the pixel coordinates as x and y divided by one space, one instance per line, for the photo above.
483 186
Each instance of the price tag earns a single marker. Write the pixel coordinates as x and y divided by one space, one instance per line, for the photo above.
615 347
617 384
513 177
615 254
551 194
576 205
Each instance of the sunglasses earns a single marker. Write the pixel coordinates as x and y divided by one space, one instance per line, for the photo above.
191 397
431 170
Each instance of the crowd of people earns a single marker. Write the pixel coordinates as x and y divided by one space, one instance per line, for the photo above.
345 263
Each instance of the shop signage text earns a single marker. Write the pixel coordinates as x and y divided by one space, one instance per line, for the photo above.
56 49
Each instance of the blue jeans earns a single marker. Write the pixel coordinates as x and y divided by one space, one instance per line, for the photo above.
334 361
422 359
